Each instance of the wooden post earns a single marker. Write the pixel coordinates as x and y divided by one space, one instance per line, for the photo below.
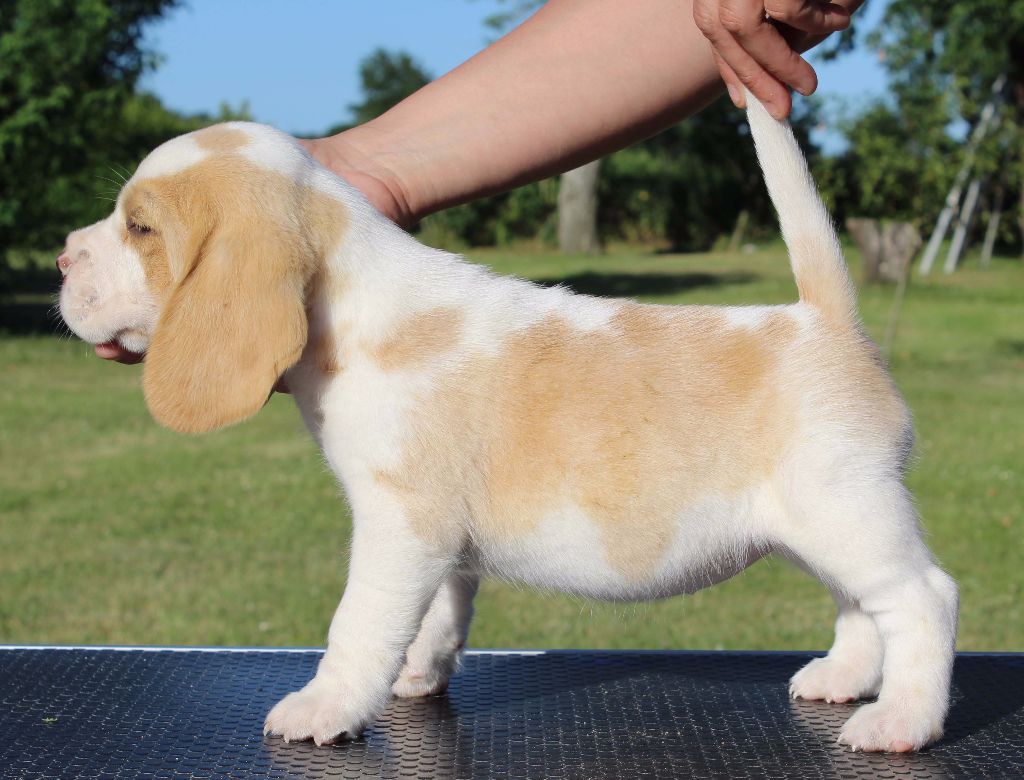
953 198
995 216
963 226
738 231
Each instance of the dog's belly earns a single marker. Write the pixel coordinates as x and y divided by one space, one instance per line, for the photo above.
568 551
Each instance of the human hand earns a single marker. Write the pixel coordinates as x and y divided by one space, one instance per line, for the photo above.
756 43
379 185
111 350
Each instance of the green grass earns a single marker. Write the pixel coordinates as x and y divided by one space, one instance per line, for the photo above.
113 530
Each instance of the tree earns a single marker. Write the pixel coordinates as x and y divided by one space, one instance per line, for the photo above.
83 196
387 79
936 48
67 69
577 210
897 162
689 184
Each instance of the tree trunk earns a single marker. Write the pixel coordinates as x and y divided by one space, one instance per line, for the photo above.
577 210
868 239
1017 90
887 247
739 231
900 242
995 216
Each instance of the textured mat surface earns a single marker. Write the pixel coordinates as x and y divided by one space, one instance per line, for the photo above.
109 713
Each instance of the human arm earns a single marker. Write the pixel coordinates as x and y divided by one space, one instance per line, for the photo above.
576 81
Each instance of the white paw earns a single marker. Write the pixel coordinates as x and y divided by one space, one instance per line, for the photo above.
412 683
892 728
317 712
835 682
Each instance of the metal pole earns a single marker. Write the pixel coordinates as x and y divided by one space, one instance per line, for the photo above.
953 198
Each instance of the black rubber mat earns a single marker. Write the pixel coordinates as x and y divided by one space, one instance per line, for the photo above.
160 713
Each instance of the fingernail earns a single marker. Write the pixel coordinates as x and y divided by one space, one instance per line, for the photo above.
735 96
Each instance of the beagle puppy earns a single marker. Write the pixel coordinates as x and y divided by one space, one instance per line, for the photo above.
483 425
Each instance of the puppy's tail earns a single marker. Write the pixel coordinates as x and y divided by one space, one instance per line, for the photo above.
814 251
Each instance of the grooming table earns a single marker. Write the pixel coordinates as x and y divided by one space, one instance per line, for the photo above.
168 712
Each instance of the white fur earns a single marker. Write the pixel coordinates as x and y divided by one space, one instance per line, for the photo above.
106 297
172 157
834 505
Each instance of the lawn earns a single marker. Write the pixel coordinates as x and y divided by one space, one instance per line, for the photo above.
113 530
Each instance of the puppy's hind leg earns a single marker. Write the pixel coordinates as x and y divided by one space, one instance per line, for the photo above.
853 667
865 543
433 656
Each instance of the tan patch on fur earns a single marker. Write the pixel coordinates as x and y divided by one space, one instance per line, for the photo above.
153 257
633 424
234 250
323 347
419 339
221 140
824 282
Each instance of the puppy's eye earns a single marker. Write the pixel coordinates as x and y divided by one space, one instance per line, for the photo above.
137 228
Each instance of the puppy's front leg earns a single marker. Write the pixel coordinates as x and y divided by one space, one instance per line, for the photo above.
392 578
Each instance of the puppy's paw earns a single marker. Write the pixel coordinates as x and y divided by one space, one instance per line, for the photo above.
413 683
885 727
318 712
835 681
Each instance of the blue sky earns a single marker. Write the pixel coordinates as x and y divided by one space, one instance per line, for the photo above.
296 62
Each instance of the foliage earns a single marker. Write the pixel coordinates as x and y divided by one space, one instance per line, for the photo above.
943 59
960 46
82 196
687 185
67 68
513 12
387 78
683 188
525 213
897 164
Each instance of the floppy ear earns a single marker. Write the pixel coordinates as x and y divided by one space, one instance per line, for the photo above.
231 327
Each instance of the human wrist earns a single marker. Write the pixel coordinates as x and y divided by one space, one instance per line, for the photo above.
354 156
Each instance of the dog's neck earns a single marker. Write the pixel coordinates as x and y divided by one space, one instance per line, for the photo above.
361 289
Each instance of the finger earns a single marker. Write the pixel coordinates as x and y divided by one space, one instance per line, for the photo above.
111 350
811 16
732 81
759 39
770 91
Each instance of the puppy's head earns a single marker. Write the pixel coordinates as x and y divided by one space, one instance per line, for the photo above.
203 266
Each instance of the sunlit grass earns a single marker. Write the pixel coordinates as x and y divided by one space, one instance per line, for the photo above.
113 530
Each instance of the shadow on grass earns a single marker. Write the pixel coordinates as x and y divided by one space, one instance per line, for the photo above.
1011 346
629 285
29 318
27 301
